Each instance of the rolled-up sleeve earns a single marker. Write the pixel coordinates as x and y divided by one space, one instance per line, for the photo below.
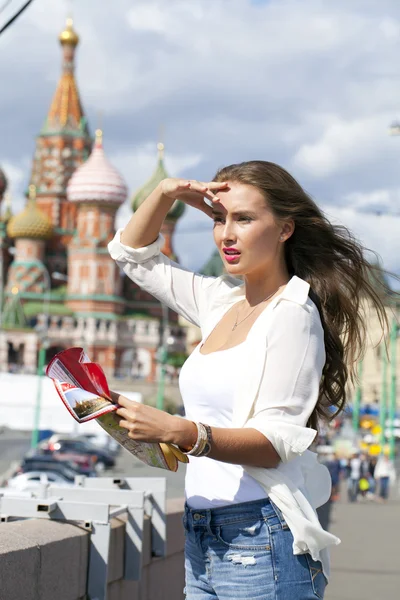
182 290
289 389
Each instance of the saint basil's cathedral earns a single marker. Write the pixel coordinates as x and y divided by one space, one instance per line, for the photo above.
61 287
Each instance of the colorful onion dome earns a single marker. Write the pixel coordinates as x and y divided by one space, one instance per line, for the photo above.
178 207
97 180
31 223
69 35
3 183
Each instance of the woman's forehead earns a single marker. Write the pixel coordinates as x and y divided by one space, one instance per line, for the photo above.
238 197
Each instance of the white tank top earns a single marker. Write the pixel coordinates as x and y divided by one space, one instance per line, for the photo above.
207 388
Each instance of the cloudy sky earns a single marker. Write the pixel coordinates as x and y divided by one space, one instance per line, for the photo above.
310 84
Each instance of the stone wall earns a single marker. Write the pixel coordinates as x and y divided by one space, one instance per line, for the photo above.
47 560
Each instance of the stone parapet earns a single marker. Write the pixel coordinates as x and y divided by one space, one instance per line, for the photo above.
43 560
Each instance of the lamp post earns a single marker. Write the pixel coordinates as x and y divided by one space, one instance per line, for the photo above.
393 385
357 399
162 358
43 341
384 398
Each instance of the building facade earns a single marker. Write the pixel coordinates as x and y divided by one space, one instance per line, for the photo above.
61 287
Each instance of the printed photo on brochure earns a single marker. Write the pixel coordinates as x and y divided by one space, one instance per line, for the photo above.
84 405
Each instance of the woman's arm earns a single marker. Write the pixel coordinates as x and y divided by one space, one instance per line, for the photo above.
236 446
137 250
145 224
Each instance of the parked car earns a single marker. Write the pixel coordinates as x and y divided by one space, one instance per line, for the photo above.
59 443
66 469
32 479
84 462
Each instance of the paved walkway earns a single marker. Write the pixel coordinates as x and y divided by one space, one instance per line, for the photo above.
366 565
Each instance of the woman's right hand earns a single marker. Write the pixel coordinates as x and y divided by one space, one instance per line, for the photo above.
192 192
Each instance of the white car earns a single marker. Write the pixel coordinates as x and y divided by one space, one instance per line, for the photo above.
32 479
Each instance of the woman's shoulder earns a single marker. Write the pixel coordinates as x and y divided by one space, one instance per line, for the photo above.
226 289
301 317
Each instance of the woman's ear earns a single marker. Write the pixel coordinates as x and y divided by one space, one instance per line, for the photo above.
287 230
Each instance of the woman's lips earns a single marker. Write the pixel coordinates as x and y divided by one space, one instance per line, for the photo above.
232 257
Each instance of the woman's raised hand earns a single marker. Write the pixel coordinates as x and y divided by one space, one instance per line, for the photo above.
193 192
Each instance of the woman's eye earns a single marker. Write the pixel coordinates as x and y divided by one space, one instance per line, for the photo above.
217 220
248 219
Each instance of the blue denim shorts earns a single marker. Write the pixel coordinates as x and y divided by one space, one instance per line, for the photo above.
244 552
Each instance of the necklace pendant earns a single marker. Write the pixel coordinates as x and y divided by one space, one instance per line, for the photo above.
234 327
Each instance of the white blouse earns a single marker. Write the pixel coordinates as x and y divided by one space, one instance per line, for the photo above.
208 388
277 383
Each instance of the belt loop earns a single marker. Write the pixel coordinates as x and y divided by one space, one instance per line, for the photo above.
279 514
208 515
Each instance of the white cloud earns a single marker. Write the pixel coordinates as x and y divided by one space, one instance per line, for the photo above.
377 233
343 145
376 201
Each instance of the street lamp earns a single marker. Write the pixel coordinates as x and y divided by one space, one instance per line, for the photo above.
357 399
393 384
162 356
384 400
43 345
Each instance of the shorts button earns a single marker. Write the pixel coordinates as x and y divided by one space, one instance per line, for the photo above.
196 516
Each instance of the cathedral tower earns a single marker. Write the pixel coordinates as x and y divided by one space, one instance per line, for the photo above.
63 144
97 190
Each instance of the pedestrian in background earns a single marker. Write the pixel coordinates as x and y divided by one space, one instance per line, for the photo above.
371 471
281 330
335 471
354 478
385 474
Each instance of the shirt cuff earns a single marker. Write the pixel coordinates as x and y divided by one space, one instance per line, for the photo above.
288 440
120 252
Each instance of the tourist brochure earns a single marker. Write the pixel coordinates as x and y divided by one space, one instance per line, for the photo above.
83 388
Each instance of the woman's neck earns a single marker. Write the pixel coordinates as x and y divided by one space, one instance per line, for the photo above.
257 288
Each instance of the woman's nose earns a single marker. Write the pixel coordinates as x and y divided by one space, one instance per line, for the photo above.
228 233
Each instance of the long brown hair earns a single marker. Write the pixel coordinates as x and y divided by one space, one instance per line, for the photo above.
334 263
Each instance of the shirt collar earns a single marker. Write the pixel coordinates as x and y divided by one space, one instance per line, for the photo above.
296 290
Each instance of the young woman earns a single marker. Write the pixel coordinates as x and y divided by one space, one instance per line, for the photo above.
276 345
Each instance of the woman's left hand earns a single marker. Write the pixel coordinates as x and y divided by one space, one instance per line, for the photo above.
145 423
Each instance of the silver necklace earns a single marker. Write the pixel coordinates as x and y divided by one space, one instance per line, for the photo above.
250 313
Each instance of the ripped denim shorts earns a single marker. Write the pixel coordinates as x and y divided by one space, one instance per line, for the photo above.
244 552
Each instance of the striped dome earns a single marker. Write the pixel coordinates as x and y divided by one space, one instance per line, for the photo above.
97 180
31 223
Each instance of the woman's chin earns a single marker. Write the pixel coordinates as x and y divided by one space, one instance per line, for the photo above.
234 269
